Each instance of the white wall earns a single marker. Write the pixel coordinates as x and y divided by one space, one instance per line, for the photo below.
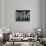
35 15
1 15
44 17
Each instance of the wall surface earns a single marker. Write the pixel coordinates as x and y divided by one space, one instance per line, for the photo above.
1 15
44 17
35 7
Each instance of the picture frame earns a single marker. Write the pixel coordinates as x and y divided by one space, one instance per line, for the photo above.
22 15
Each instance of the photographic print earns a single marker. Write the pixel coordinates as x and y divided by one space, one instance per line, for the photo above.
22 15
